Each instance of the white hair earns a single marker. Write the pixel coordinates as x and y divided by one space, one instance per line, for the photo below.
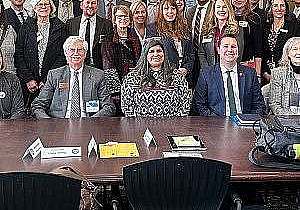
285 60
71 40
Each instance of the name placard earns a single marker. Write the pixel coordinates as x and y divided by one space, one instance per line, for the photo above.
149 138
92 146
34 149
60 152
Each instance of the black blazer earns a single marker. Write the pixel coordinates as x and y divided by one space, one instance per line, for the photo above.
290 29
103 32
76 7
26 53
12 19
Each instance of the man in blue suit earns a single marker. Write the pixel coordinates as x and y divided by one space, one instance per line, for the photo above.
228 88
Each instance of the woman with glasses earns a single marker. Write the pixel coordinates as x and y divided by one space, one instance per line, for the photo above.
7 41
154 88
122 53
39 48
11 97
285 84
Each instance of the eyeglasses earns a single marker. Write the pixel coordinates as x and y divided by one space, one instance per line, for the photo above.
126 17
78 50
43 5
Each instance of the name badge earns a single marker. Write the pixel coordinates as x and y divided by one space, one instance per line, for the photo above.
243 24
207 40
284 30
63 85
2 94
92 106
60 152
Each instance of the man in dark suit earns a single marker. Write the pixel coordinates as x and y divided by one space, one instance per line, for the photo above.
16 14
67 9
94 29
75 90
228 88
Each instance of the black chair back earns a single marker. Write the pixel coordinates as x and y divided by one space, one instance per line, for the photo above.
177 184
37 191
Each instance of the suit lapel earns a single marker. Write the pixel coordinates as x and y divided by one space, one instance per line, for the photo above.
86 85
220 85
241 78
65 78
99 26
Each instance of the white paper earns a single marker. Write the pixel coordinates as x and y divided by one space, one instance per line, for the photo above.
181 154
61 152
34 149
92 146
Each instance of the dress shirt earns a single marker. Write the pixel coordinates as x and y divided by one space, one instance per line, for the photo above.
25 14
83 112
297 11
82 30
61 13
235 84
203 13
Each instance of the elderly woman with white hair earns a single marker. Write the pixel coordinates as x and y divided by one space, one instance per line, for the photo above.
285 84
11 98
39 48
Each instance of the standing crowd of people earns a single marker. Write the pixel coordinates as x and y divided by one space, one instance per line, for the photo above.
159 58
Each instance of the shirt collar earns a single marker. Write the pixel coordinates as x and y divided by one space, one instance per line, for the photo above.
79 70
92 19
18 12
204 6
224 69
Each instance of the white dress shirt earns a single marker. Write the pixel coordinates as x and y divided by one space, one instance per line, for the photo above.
297 11
235 85
25 14
203 13
82 30
83 112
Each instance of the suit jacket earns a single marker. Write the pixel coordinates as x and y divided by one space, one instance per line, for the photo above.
103 32
11 105
12 19
209 96
53 98
26 54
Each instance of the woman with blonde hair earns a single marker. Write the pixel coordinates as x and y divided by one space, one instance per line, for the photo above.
285 84
11 97
220 20
122 53
39 48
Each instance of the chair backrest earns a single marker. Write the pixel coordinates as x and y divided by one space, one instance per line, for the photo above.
37 191
177 183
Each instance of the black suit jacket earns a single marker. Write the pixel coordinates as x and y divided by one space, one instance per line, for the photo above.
26 53
103 32
12 19
76 7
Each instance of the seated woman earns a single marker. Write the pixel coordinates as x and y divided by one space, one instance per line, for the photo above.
121 53
11 97
154 88
285 84
220 20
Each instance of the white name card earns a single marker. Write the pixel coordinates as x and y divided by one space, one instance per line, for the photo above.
61 152
148 138
92 146
34 149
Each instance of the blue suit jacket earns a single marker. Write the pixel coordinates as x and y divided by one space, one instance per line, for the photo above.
209 96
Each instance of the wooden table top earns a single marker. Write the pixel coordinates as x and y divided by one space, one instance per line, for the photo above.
224 142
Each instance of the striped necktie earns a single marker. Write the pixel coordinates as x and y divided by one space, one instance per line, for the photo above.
75 98
197 28
232 105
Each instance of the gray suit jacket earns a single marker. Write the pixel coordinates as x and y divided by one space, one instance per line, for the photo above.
53 98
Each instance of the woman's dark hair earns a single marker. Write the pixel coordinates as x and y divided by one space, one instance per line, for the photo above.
270 18
143 69
3 21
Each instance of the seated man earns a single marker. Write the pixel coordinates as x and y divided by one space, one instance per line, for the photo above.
75 90
228 88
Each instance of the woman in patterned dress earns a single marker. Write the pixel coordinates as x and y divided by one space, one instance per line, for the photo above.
154 88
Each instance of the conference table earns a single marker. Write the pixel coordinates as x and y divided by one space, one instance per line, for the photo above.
223 140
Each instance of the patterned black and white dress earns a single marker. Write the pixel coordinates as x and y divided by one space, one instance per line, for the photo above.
160 101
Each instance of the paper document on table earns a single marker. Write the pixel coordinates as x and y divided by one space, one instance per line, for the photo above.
186 141
113 150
